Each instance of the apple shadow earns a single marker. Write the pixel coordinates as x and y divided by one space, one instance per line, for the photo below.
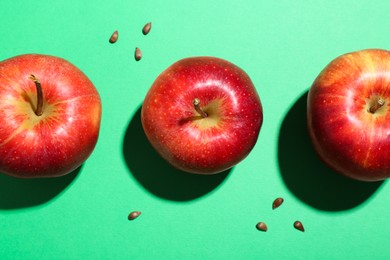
18 193
306 176
158 176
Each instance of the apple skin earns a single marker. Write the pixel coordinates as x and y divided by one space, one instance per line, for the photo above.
347 136
182 136
63 137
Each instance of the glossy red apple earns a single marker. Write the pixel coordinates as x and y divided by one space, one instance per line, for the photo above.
202 114
349 115
50 116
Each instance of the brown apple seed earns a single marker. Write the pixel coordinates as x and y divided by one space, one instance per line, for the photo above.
146 29
261 226
137 54
114 37
277 202
133 215
298 225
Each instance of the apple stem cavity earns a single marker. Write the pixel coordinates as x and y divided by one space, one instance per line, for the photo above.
196 103
39 109
378 104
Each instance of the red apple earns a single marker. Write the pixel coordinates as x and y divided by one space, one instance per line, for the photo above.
202 114
349 115
50 116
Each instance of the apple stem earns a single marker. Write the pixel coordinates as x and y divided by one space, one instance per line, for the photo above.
39 108
378 104
196 103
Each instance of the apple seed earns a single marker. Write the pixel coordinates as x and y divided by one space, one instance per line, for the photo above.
114 37
298 225
262 226
138 54
133 215
146 28
277 202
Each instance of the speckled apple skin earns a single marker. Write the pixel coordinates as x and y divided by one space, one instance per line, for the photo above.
186 140
346 135
65 135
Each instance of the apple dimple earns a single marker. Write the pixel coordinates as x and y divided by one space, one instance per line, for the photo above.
213 118
376 105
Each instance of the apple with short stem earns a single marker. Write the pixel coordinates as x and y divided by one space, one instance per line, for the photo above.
202 114
50 116
349 117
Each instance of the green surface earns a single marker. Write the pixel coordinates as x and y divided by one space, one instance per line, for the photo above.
282 45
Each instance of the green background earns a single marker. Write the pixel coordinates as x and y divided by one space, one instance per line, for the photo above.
282 45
